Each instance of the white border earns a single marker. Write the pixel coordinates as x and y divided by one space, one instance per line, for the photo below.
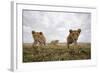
17 38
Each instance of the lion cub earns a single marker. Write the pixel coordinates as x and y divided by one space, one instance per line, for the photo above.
73 36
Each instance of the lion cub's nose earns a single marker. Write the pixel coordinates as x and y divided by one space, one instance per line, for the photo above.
75 39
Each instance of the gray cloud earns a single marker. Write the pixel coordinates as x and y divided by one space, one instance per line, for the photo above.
56 25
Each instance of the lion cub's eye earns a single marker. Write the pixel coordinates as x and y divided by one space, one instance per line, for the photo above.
77 34
73 34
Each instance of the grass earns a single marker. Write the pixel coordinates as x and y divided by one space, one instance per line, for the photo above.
56 52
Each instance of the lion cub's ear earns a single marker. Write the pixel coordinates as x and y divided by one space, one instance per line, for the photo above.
79 30
70 31
41 33
33 32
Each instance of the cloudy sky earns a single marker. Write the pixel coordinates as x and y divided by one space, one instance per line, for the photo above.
55 25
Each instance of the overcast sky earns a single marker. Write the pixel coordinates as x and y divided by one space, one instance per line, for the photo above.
55 25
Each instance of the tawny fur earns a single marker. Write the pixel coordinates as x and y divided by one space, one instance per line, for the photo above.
39 38
73 36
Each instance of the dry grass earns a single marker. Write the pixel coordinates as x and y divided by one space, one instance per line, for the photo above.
56 52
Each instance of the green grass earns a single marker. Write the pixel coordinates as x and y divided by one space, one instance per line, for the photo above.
55 52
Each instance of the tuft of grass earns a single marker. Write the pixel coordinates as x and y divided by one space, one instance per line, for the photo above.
55 53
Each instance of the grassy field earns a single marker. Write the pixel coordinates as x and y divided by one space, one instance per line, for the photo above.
58 52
